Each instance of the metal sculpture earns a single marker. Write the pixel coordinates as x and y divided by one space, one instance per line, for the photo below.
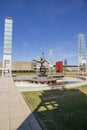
42 67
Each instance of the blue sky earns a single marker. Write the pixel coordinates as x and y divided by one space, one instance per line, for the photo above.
39 25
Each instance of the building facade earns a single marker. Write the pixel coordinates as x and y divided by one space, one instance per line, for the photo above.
21 66
7 53
81 50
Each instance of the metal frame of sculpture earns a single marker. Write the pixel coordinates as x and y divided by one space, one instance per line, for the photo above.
42 67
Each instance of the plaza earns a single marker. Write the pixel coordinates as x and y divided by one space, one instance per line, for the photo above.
15 112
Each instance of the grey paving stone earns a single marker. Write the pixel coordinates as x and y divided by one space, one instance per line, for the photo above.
14 112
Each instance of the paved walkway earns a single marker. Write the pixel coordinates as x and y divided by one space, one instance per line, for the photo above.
14 112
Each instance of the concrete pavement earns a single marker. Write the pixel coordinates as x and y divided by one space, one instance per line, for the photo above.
14 112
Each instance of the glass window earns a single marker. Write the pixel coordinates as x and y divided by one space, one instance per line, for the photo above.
8 29
8 21
7 46
8 25
8 37
8 33
7 51
7 42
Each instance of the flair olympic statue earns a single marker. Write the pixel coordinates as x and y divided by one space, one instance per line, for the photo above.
42 67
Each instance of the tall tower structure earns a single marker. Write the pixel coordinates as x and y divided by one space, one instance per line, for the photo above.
7 53
50 60
51 56
81 50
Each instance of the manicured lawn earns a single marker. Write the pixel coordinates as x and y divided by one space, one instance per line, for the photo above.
64 109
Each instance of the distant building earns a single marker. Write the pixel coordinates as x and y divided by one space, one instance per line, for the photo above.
65 62
21 66
51 57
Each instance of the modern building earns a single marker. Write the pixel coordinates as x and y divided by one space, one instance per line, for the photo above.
65 62
81 50
21 66
50 60
51 57
7 53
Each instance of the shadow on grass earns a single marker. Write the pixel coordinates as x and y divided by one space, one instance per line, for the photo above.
59 109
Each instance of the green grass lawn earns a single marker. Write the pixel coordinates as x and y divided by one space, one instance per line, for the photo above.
64 109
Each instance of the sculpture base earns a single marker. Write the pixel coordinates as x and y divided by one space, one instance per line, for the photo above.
43 79
42 75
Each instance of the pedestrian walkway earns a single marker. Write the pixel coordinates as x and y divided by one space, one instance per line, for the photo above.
14 112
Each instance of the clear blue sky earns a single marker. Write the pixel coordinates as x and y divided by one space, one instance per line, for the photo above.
39 25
